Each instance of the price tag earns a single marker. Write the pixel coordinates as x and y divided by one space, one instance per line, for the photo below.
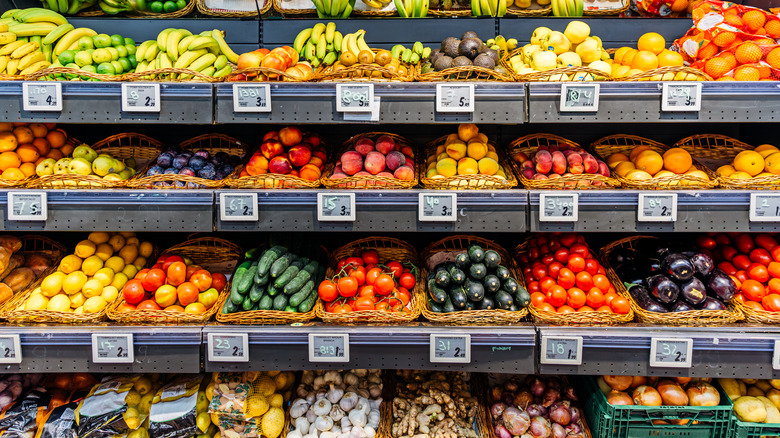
10 349
42 96
776 356
238 207
580 97
661 207
437 207
764 207
454 98
251 98
110 348
356 98
338 207
563 350
450 348
558 207
328 348
681 97
141 98
671 352
228 347
27 206
373 116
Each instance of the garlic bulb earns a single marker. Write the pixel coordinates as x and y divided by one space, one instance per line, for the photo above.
360 372
375 390
322 407
348 401
351 379
357 418
310 416
358 432
346 424
336 413
373 418
374 379
375 404
363 393
302 391
321 394
302 424
294 434
335 394
309 435
328 435
323 423
333 377
362 406
311 397
344 435
298 408
318 383
307 378
369 430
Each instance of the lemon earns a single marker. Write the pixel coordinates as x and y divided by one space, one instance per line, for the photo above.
139 263
146 249
98 237
129 253
132 398
105 275
110 293
104 251
116 242
115 263
131 418
146 403
85 248
79 310
119 280
70 263
92 288
143 385
276 401
52 284
91 265
203 421
59 303
94 305
77 300
36 302
129 271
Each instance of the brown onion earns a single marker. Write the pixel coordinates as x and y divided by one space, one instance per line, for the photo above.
619 383
606 389
647 396
638 381
672 394
619 398
659 422
683 380
703 394
495 393
523 399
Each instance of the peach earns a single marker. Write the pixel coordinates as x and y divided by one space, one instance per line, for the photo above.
257 165
395 160
385 174
290 136
294 173
363 173
407 150
457 150
338 175
405 173
313 139
558 162
591 164
447 167
299 155
468 166
375 162
310 172
603 168
280 165
519 157
249 60
274 61
467 131
319 153
364 146
271 135
271 148
540 176
543 148
351 162
476 149
528 164
529 173
571 183
577 169
583 183
338 169
488 166
574 160
543 161
567 152
385 144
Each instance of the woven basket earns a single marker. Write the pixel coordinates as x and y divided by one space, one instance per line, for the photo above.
366 72
213 143
692 317
97 12
648 75
528 12
266 74
224 13
170 75
467 317
389 249
531 143
606 12
451 13
465 182
466 73
277 5
576 318
201 250
367 181
46 72
755 315
4 77
545 75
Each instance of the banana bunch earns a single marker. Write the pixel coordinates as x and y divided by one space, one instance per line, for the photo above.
412 8
69 7
353 45
206 53
493 8
377 4
321 44
334 8
501 44
567 8
27 37
411 56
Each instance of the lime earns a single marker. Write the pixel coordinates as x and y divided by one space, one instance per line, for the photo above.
114 53
181 4
122 50
90 51
169 6
73 66
90 69
117 67
133 61
101 55
140 5
130 49
85 43
125 63
83 58
117 40
156 7
129 42
101 40
66 57
106 68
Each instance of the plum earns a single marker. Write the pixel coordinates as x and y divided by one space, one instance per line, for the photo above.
203 153
180 161
165 159
197 162
154 170
188 171
208 171
171 171
221 156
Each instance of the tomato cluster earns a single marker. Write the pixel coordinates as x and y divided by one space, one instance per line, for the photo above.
564 276
362 283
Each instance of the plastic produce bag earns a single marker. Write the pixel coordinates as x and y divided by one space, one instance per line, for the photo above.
116 406
230 391
180 409
60 421
13 386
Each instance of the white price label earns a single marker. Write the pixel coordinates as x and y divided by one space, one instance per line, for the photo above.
580 97
671 352
661 207
238 207
437 207
27 206
373 116
356 98
228 347
252 98
563 350
10 349
558 207
681 97
110 348
141 98
776 356
338 207
454 98
764 207
450 348
328 348
42 96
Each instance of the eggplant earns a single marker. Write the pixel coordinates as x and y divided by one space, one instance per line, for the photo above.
693 291
655 306
681 306
721 286
677 267
621 256
663 289
702 264
644 300
653 266
712 304
631 275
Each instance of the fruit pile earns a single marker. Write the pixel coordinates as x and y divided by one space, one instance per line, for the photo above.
491 8
411 56
650 53
27 38
113 7
411 8
466 153
762 161
654 391
646 163
24 146
283 58
86 161
560 160
185 396
381 156
564 276
288 152
755 401
175 284
249 404
98 53
466 51
397 62
201 164
18 271
206 53
322 44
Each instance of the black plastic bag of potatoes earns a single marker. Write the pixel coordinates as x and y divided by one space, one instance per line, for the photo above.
20 420
103 413
175 409
60 421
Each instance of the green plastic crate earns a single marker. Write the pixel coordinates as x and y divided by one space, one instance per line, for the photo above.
755 430
607 421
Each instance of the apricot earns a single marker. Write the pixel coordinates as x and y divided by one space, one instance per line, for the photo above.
467 131
468 166
476 149
8 142
38 130
457 150
488 166
447 167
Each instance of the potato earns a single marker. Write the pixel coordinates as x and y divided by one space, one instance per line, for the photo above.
755 392
750 409
749 381
772 414
763 385
731 388
775 383
774 396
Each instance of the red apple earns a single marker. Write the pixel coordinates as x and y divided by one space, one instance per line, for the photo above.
299 155
263 51
271 134
249 60
284 56
290 136
271 148
280 165
293 54
274 61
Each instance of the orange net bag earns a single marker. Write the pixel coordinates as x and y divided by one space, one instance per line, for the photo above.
748 61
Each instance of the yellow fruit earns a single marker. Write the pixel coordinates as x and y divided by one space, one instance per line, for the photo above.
104 251
74 282
139 263
120 279
131 416
104 275
70 263
766 149
431 173
95 305
85 248
476 149
110 293
146 249
772 163
272 423
52 285
36 302
614 159
638 175
98 237
447 167
651 42
740 175
638 150
132 398
59 303
127 234
92 288
117 241
132 241
467 131
725 170
696 174
468 166
143 385
276 400
649 161
749 162
77 300
256 406
623 167
203 421
146 403
664 174
488 166
129 253
91 265
493 155
116 263
457 150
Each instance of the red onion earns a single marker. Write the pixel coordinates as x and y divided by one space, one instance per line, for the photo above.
560 414
535 410
516 421
558 431
553 383
507 397
540 428
573 428
501 432
568 392
497 409
575 414
537 387
495 393
550 396
523 399
511 385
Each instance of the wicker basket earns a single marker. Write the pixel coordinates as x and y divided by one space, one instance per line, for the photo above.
366 72
202 250
466 317
226 13
97 12
9 184
755 315
368 181
213 143
389 249
267 74
277 5
545 75
529 12
531 143
576 318
46 72
465 73
649 74
462 182
692 317
451 13
606 12
170 75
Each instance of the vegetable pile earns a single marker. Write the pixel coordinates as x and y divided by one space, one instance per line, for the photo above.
654 391
755 401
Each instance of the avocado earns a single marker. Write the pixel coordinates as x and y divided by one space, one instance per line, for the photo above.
492 53
501 69
443 62
484 60
469 34
461 61
450 47
435 54
469 47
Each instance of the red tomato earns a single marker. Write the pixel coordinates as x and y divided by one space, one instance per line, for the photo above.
774 269
366 290
174 308
166 295
147 305
538 298
620 305
584 281
327 290
355 261
758 272
370 257
347 286
218 281
741 261
774 286
399 308
546 283
775 253
124 307
176 273
576 298
403 295
548 259
171 260
753 290
133 291
533 253
595 298
744 243
728 252
706 242
566 278
741 275
576 263
407 280
723 239
396 268
158 266
162 258
201 279
153 280
191 269
554 269
341 308
581 249
771 302
382 306
358 274
567 239
728 268
342 263
539 271
364 303
760 255
372 275
187 293
766 241
384 284
557 296
534 287
562 255
141 274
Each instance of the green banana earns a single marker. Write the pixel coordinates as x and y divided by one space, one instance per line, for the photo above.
60 31
224 71
300 40
395 52
10 13
426 53
406 56
321 47
417 48
221 62
348 9
330 58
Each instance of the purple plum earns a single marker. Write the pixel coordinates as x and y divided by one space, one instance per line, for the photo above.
165 160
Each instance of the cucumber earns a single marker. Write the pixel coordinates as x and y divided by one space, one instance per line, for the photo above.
266 302
457 276
437 294
303 293
288 274
280 302
262 280
240 272
504 300
247 304
229 307
492 284
477 271
235 296
462 261
476 254
308 303
298 282
502 272
269 257
492 259
252 254
279 266
290 309
272 291
442 278
246 281
256 292
458 296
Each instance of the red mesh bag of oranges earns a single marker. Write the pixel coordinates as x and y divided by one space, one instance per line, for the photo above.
748 61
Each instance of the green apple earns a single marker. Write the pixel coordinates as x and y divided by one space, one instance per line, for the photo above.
126 173
85 152
119 165
62 165
130 162
103 165
45 167
80 166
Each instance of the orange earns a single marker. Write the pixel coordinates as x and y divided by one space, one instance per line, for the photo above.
638 175
750 162
28 153
716 67
667 58
748 53
628 57
615 159
28 169
730 59
6 126
679 5
644 60
723 39
42 145
761 31
9 160
733 20
67 150
638 150
649 161
8 141
54 153
707 52
736 43
747 73
24 135
56 138
651 42
764 71
773 58
754 20
677 160
725 78
620 53
772 28
624 167
12 174
765 42
39 130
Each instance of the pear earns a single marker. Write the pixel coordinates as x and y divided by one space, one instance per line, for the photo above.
85 152
80 166
528 52
61 166
577 31
569 59
45 167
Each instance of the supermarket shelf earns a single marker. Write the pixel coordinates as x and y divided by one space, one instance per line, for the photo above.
493 349
383 211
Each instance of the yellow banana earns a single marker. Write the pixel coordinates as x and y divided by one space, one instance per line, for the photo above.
317 31
47 51
24 50
203 62
361 42
32 29
7 37
9 48
185 42
223 46
501 8
35 67
330 32
322 47
11 67
3 27
202 42
30 59
189 57
224 71
140 51
151 52
165 61
221 62
72 37
40 15
57 33
4 62
172 44
353 46
162 38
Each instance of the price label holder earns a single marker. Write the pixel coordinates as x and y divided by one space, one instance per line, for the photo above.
671 352
112 348
336 207
454 98
328 348
437 207
10 349
580 97
357 98
241 207
141 98
252 98
558 207
764 207
681 97
450 348
657 207
228 347
27 206
561 350
776 356
42 96
373 116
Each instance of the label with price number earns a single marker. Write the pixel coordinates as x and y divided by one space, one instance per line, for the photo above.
238 207
228 347
358 98
681 97
438 207
252 98
454 98
580 97
660 207
562 350
27 206
450 348
328 348
42 96
110 348
141 98
764 207
671 352
10 349
776 356
336 207
559 207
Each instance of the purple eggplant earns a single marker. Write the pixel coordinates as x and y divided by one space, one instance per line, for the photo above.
663 289
721 285
702 264
677 267
693 291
